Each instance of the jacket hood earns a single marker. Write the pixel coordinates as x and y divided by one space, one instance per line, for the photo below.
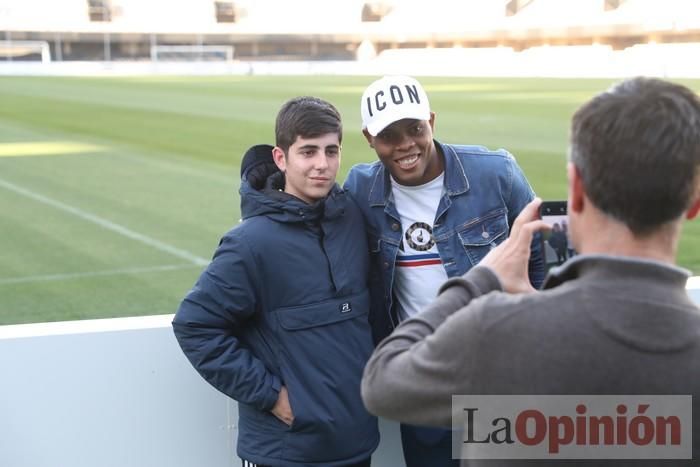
262 192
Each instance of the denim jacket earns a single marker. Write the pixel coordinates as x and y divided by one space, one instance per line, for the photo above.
484 192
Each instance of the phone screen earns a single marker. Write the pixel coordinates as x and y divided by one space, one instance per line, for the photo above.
556 244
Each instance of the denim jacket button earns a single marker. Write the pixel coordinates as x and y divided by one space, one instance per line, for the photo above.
485 234
395 226
386 265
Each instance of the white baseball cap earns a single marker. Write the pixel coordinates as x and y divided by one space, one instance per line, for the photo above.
390 99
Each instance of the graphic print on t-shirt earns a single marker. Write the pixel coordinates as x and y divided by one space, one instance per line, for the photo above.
419 271
419 237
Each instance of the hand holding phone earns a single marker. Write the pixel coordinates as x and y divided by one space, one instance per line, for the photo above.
509 260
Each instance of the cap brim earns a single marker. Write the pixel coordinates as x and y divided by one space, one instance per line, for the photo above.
379 124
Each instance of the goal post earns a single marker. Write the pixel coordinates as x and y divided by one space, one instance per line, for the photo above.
179 53
25 50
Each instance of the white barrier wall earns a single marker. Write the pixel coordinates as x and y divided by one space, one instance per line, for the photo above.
106 393
116 393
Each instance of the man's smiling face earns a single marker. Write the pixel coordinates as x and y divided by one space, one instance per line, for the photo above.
407 150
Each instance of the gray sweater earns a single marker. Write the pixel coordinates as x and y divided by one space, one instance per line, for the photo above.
605 325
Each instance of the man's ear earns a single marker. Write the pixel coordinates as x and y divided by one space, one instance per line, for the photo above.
694 209
279 158
577 193
432 121
368 137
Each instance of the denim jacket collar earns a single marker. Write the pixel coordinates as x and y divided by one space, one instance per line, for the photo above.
456 181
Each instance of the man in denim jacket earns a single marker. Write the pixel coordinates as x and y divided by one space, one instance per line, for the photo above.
433 211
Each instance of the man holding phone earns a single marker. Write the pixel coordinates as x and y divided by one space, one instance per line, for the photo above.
614 320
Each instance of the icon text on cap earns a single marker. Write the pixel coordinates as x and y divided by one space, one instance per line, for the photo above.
397 97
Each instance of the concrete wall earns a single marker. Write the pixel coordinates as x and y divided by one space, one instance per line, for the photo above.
116 393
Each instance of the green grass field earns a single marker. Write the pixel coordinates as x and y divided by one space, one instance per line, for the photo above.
115 191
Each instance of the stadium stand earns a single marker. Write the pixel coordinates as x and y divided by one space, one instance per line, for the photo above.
323 30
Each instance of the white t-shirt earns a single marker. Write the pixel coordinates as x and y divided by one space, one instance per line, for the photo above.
419 272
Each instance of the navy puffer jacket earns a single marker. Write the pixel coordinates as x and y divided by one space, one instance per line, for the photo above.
285 302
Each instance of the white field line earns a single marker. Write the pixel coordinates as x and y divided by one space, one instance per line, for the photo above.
81 275
157 244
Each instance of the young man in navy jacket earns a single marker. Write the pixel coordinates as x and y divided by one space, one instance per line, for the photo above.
279 320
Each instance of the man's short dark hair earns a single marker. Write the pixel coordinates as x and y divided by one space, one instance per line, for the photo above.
637 148
308 117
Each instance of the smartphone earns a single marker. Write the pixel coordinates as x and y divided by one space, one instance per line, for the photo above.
556 244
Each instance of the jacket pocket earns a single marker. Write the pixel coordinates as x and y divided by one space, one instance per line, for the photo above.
478 238
324 347
323 313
